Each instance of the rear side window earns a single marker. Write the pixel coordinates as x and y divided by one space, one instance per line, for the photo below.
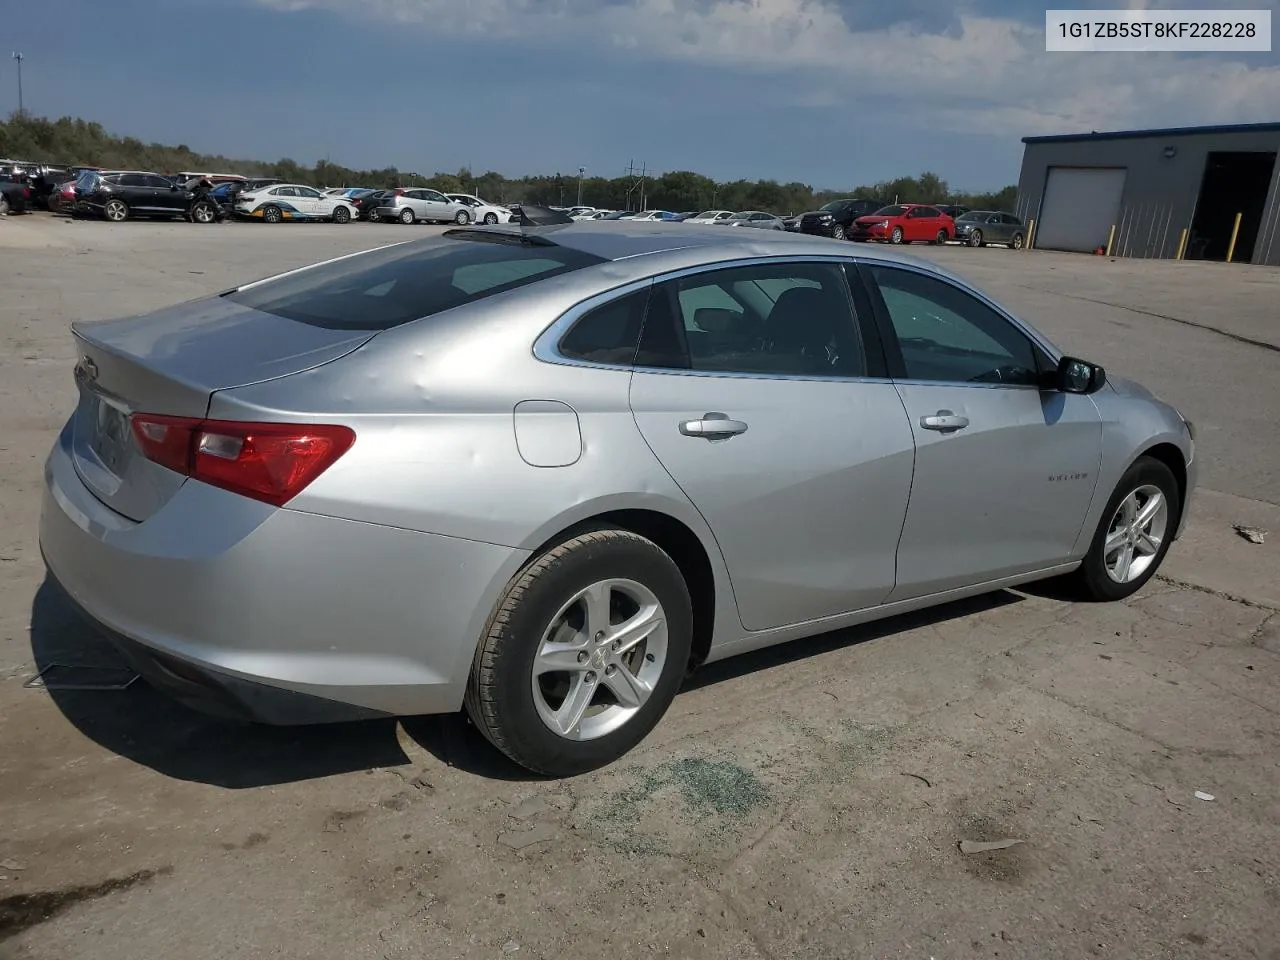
608 333
385 288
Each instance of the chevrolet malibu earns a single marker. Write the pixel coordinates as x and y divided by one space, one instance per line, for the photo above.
542 473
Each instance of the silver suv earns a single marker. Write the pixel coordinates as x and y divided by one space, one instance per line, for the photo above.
418 204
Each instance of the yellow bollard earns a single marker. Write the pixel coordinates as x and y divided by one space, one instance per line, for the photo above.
1182 243
1235 230
1031 233
1111 236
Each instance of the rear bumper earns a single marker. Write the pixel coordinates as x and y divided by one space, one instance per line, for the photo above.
245 610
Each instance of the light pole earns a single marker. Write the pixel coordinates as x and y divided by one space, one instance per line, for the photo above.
581 172
19 58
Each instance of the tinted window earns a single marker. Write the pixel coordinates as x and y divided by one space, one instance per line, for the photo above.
926 212
437 197
609 333
159 182
385 288
1010 219
132 180
948 335
971 215
781 320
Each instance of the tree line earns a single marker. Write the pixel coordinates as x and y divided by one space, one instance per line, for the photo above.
71 140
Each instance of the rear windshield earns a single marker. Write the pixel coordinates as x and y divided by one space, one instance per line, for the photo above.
385 288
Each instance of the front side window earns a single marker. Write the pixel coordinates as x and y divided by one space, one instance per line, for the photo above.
437 197
792 319
308 193
949 335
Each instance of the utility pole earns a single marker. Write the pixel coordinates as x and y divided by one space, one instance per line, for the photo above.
581 173
17 55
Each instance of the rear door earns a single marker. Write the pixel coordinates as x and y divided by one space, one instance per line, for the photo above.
1004 472
755 388
137 191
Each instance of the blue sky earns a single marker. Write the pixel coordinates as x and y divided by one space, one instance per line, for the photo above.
829 92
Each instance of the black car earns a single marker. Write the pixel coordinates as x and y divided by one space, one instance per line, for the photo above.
15 194
834 219
954 211
118 195
367 202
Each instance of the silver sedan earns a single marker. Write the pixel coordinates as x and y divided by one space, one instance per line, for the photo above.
542 473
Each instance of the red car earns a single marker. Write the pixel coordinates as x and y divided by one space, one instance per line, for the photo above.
905 223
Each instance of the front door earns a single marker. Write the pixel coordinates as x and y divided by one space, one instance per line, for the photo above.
1005 472
312 203
166 198
750 388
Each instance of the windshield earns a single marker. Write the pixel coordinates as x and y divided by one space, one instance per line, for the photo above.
833 206
891 211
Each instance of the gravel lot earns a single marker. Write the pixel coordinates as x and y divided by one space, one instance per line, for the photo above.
807 801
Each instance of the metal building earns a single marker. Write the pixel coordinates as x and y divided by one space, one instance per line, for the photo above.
1150 186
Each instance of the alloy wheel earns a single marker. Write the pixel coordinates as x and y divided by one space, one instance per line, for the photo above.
1135 534
600 659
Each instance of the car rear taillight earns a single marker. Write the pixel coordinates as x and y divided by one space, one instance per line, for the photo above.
271 462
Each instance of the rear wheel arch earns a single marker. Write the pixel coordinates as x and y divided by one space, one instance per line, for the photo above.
678 541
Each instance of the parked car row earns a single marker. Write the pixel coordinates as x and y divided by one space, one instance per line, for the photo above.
861 220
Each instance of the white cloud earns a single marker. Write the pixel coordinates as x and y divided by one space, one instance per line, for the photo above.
992 75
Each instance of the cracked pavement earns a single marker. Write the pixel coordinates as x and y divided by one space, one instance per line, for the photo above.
803 801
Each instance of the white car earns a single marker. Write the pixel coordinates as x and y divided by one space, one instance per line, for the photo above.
482 211
293 201
711 216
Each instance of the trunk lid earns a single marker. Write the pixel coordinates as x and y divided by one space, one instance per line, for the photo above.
171 362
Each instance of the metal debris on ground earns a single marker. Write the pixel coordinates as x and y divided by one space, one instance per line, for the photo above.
1252 534
985 846
72 676
511 946
1201 795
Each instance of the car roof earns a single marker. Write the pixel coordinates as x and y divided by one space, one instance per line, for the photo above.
624 239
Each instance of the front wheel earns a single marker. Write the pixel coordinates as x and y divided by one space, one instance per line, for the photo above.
941 238
203 213
896 236
975 238
583 654
837 232
462 218
490 218
1134 534
341 214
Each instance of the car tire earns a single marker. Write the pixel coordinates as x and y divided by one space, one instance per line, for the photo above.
940 239
203 213
975 239
272 214
837 232
897 236
1016 243
373 216
490 218
341 214
515 703
1100 580
462 218
117 211
407 217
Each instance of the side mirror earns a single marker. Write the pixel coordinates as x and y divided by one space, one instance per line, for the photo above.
1079 376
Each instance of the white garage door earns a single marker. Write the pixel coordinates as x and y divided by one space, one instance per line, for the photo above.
1080 205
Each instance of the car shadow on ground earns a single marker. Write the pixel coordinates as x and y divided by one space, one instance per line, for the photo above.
148 728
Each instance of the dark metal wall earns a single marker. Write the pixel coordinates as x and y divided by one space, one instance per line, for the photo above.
1160 193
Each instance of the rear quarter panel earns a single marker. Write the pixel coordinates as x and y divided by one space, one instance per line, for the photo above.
433 406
